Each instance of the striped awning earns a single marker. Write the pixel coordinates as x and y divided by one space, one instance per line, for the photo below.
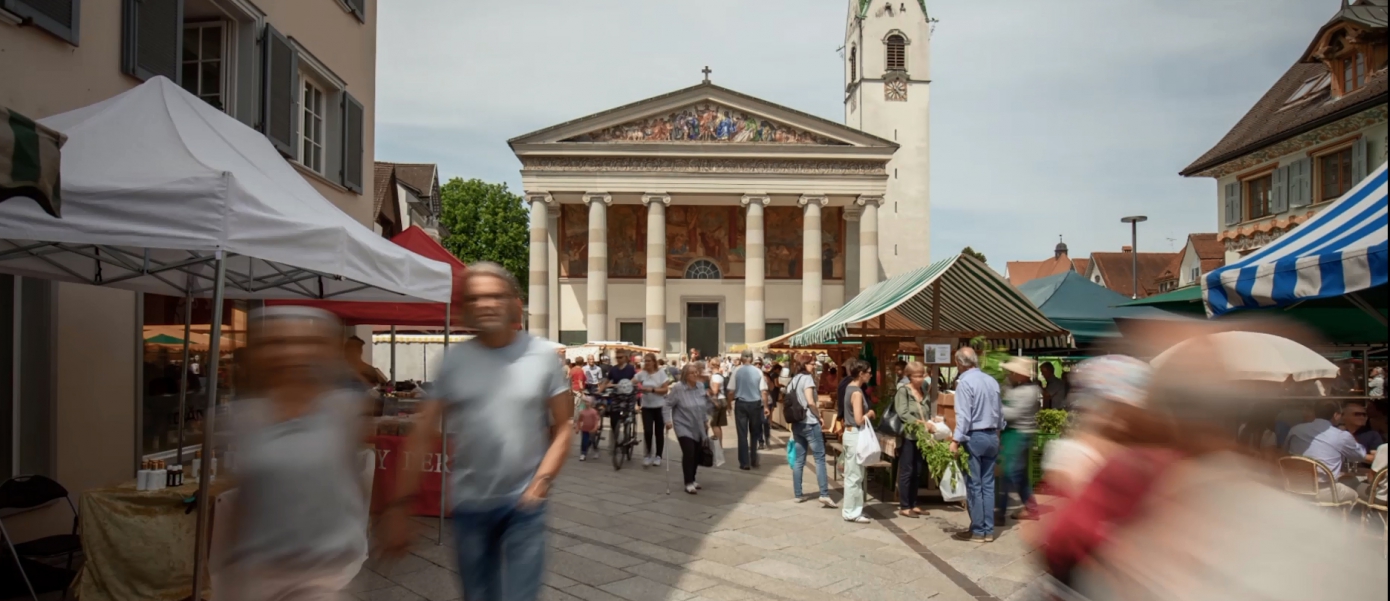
958 297
29 161
1339 251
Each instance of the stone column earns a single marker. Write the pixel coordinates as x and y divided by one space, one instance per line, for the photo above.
538 289
852 214
597 317
755 271
868 241
656 270
811 276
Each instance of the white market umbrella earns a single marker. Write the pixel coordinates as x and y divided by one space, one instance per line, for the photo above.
1257 356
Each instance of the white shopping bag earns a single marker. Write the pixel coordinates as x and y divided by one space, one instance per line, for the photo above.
952 485
866 449
717 445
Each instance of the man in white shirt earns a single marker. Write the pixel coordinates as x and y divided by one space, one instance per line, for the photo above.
593 374
1323 441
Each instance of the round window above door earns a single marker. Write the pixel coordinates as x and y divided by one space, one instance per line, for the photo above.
702 269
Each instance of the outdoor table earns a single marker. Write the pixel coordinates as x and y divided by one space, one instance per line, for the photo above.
389 462
137 544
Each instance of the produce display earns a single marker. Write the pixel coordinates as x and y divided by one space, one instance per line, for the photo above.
938 454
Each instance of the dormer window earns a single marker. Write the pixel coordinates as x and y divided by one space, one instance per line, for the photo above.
897 53
1353 72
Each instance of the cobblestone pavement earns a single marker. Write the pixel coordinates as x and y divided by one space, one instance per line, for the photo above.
617 535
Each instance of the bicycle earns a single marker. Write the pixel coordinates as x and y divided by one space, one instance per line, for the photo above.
622 414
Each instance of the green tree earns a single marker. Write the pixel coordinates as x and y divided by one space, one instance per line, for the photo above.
486 222
972 252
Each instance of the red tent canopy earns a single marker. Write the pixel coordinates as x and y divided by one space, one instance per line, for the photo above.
400 314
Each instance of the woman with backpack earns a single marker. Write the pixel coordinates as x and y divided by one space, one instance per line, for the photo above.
804 423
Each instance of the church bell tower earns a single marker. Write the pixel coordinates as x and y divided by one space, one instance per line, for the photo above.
887 54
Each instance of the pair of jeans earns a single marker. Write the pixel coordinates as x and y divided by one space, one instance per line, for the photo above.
910 467
853 504
748 418
653 426
501 552
1015 447
690 457
983 446
766 434
809 436
587 440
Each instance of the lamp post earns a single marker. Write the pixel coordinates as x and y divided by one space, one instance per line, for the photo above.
1134 221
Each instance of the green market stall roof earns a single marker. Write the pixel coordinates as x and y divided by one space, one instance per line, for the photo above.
1339 319
959 297
1086 309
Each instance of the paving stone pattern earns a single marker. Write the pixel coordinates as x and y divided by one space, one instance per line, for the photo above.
617 536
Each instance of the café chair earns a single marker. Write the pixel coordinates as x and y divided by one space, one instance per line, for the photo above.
1313 480
27 492
1373 504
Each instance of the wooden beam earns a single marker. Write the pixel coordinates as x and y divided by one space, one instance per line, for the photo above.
914 334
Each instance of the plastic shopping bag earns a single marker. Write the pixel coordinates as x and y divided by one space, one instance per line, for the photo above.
791 453
866 449
717 445
952 485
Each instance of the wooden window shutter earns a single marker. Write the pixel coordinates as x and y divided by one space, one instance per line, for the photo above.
1233 203
58 17
897 54
1301 183
1358 160
280 91
152 37
354 127
1279 195
359 9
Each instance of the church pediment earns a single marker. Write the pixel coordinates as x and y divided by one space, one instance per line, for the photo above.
705 122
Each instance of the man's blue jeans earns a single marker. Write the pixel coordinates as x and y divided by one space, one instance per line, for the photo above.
983 446
501 552
809 436
748 418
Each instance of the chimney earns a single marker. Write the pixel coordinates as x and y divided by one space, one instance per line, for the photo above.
1127 248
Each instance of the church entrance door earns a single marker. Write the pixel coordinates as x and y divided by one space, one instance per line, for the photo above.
702 327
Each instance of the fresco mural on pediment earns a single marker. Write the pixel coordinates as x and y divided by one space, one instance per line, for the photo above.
705 122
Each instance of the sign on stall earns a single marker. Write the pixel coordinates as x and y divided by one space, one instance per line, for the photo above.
936 354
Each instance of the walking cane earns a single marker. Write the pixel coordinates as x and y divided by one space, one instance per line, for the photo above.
666 463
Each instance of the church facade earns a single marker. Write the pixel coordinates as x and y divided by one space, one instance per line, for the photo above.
705 218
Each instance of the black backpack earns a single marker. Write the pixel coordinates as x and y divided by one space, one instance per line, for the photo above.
792 409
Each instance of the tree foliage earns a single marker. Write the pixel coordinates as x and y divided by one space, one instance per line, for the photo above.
974 253
486 222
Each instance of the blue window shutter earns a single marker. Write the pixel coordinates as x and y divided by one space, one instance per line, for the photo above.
280 91
1279 197
1358 160
1301 183
1233 203
353 122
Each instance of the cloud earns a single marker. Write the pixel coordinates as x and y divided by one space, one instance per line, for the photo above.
1048 118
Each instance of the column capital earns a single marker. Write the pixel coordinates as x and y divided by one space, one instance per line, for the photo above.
604 197
819 199
761 199
661 197
869 199
542 197
852 213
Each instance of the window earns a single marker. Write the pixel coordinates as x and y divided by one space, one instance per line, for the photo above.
897 53
1334 171
1196 273
311 126
853 64
773 329
58 17
26 366
702 269
1258 192
203 51
631 332
1353 72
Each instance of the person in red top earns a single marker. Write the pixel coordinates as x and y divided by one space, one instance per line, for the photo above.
576 377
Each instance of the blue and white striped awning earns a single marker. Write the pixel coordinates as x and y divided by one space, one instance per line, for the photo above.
1340 250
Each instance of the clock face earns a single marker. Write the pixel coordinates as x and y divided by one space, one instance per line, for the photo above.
895 90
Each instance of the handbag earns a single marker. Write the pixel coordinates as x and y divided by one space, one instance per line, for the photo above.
891 423
706 453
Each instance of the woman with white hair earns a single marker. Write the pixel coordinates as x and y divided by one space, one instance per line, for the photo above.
298 529
686 411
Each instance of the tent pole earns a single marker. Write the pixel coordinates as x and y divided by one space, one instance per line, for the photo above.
1366 307
205 475
443 445
183 377
393 357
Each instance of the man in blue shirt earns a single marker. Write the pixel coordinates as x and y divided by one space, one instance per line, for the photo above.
978 420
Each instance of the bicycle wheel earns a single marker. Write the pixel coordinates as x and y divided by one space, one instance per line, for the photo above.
618 456
629 436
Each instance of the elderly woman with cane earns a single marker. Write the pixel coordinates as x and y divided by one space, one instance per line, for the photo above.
687 411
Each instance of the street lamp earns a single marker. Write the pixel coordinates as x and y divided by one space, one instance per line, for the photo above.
1134 221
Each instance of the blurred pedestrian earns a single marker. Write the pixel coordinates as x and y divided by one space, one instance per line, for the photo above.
1102 384
299 522
508 410
857 423
1020 412
686 413
912 407
977 430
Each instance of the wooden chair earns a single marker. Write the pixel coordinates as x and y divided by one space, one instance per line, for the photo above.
1372 504
1312 479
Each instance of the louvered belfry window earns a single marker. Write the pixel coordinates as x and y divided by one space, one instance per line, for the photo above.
897 53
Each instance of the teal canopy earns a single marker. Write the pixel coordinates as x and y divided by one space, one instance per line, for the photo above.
1084 308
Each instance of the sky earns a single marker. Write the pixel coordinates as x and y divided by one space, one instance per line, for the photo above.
1048 118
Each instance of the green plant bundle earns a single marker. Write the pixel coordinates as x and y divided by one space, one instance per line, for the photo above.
937 454
1053 421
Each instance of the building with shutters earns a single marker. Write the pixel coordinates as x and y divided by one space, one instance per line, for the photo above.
1316 133
302 71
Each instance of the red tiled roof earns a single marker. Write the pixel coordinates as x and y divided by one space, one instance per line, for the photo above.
423 178
1211 252
382 187
1116 268
1081 266
1022 272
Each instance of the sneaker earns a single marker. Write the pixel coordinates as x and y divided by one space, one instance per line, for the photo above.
828 503
690 489
581 457
744 468
656 461
697 486
646 462
801 499
860 520
967 537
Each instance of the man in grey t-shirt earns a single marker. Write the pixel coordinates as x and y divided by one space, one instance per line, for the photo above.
507 408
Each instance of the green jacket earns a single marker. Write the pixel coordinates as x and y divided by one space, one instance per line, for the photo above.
908 409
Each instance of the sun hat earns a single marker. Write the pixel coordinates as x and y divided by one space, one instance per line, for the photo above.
1022 366
1114 378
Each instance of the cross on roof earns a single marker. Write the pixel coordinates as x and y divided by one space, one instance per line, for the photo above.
706 71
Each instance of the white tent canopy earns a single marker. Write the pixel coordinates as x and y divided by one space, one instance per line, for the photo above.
155 182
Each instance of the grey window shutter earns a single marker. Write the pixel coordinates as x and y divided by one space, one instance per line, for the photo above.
1233 203
353 145
280 91
1300 183
1279 196
151 38
1358 160
359 9
58 17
